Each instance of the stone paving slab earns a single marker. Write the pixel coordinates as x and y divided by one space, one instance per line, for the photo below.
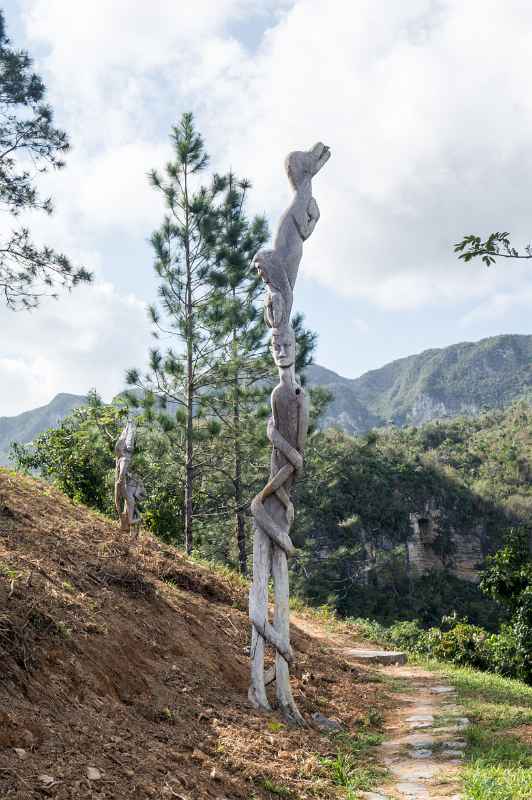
423 759
413 790
375 656
374 796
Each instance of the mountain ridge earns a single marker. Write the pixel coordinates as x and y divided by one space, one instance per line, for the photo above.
461 379
25 426
439 383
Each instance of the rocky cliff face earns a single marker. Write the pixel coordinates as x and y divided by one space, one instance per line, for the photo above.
426 409
462 555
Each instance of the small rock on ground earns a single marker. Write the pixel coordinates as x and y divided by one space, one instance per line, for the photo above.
421 752
325 724
413 790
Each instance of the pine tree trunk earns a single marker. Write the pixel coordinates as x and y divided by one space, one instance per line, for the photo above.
189 456
189 467
241 540
240 522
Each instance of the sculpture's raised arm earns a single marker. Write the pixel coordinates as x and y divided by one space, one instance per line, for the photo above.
279 267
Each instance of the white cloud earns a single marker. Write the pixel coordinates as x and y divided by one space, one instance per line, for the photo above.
426 106
499 305
84 340
427 109
430 126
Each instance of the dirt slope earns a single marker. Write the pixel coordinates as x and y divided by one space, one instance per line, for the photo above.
124 670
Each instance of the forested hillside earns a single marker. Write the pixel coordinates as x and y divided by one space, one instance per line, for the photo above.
465 378
355 502
470 476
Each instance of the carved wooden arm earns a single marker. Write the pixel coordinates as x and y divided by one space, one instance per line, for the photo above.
306 224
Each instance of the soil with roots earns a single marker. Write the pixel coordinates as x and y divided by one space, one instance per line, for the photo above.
124 669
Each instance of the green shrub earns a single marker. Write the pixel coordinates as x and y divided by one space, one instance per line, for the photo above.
407 634
502 652
463 644
370 629
522 627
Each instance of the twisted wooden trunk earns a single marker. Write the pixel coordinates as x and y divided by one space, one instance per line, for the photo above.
272 508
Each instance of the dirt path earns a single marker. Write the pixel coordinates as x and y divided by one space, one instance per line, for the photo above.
424 744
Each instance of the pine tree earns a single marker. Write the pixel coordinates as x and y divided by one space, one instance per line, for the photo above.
184 248
237 327
27 136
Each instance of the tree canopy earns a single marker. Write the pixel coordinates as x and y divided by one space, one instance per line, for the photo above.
30 144
496 245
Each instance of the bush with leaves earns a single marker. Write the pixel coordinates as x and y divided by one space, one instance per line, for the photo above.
78 455
508 579
456 641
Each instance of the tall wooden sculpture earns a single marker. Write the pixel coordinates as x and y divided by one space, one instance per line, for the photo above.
272 509
129 489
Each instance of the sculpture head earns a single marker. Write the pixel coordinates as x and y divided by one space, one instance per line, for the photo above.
284 346
268 266
278 300
126 441
302 165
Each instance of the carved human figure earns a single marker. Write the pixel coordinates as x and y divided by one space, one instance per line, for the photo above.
279 267
273 513
272 508
289 404
129 489
279 294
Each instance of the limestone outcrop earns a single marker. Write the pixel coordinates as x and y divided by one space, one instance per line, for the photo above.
460 552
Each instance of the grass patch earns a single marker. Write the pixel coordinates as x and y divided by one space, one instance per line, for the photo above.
498 783
276 789
352 768
495 702
275 727
8 572
345 771
373 719
498 765
356 744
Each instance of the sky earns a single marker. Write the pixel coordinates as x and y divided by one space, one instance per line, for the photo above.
426 107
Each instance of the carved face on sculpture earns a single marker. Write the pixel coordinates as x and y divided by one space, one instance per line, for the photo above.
267 265
259 264
284 347
304 164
